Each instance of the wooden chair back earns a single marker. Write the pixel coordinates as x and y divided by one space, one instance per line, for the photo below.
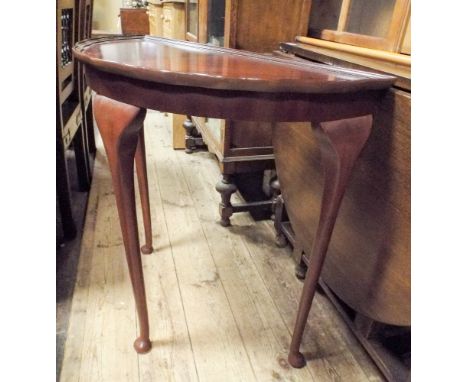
84 91
69 117
70 128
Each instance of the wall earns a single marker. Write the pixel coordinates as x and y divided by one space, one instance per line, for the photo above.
106 15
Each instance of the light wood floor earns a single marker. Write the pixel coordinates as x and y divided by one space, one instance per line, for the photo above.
222 301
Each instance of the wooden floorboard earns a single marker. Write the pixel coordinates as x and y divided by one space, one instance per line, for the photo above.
171 358
222 301
67 258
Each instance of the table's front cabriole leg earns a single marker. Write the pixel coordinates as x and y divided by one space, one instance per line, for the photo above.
140 161
340 144
119 125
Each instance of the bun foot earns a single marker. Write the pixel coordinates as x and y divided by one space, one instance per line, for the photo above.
142 345
280 241
300 271
225 222
146 249
296 360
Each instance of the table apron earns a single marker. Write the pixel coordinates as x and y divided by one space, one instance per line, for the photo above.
231 104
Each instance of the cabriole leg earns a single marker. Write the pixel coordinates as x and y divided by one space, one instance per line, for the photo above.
340 144
142 175
119 125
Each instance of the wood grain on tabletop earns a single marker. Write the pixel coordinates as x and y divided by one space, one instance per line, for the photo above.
186 63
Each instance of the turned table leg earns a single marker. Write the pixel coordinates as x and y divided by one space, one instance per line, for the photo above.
140 160
340 143
119 125
189 138
226 188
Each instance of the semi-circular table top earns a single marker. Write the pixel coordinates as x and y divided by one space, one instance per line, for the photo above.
184 63
202 80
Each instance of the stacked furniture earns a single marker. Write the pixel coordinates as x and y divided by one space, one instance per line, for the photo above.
167 19
367 271
244 149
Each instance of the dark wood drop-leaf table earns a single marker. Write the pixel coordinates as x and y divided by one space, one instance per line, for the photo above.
132 74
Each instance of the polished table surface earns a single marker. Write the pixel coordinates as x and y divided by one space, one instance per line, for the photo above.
132 74
185 63
156 68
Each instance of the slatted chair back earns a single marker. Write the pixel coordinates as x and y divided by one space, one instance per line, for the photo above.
84 91
66 81
70 132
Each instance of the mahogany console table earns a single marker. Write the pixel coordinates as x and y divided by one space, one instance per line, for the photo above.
132 74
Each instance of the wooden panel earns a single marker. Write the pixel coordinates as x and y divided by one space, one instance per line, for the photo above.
177 22
216 128
325 14
344 13
369 42
192 10
262 25
178 131
167 19
155 19
214 144
368 264
173 20
370 18
230 24
250 134
202 20
134 21
375 221
398 23
347 60
375 25
406 44
168 14
390 57
372 25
